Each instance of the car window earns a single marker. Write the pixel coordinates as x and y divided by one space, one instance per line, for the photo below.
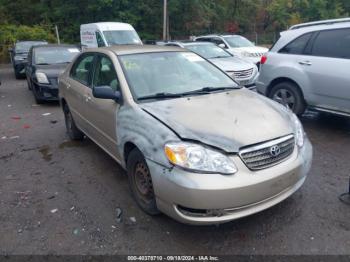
81 70
105 74
99 39
332 43
297 46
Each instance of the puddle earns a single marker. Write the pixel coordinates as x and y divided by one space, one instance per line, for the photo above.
45 152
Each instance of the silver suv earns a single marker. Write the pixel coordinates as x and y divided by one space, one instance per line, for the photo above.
309 66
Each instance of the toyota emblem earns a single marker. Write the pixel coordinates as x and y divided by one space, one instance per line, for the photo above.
275 151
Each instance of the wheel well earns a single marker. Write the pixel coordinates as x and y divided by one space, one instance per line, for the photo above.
280 80
128 147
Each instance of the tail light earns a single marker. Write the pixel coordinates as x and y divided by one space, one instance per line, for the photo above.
263 59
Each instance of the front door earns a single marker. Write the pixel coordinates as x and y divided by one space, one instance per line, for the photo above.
102 113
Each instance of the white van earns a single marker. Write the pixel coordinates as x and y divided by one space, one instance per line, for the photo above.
108 34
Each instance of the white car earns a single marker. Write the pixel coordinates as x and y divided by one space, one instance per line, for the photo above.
237 45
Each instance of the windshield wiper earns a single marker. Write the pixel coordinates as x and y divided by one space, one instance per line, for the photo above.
208 90
219 57
160 96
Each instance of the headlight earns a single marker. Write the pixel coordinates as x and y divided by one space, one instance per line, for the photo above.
198 158
19 58
42 78
299 131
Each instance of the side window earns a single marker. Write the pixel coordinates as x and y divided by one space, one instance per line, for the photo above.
332 43
203 39
105 74
297 46
81 70
99 39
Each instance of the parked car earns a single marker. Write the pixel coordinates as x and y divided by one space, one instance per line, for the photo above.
243 72
45 64
237 45
195 145
19 54
107 34
309 66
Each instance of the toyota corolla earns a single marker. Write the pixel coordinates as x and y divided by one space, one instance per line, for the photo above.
195 145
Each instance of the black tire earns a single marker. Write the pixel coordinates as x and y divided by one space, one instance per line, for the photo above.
289 94
73 131
140 182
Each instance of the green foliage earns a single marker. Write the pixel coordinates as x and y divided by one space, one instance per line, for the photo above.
186 17
9 34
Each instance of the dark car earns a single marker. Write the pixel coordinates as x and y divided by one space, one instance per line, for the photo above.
19 54
45 64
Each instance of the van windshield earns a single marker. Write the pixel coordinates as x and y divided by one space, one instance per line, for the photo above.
122 37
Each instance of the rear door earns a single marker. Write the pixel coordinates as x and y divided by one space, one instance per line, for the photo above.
102 113
76 86
328 68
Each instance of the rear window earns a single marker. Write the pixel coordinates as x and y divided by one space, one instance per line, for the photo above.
332 43
297 46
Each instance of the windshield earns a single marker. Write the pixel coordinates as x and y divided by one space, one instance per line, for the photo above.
122 37
171 73
55 55
208 51
238 41
25 46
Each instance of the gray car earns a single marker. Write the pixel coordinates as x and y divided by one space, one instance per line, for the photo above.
309 67
243 72
195 146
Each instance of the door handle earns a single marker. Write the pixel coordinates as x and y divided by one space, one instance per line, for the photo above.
87 98
308 63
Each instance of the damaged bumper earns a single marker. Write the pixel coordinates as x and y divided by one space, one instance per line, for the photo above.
202 199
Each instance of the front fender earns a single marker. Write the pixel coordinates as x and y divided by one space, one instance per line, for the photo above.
146 132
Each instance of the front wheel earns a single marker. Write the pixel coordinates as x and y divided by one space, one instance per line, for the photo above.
289 95
140 182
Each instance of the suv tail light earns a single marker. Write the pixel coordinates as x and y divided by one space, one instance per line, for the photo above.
263 59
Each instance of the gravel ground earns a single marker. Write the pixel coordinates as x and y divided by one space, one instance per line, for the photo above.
62 197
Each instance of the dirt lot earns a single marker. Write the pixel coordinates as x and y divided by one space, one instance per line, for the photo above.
59 197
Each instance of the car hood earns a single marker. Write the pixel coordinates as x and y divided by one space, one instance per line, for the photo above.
231 64
252 49
227 120
51 70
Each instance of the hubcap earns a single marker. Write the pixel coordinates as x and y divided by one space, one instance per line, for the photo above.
143 181
284 97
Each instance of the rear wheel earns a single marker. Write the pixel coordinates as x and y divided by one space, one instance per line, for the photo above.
289 95
140 182
73 131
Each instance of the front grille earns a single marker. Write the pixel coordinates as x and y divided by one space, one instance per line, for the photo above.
53 81
243 74
260 156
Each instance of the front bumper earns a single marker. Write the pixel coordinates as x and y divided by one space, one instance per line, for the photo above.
20 66
47 92
203 199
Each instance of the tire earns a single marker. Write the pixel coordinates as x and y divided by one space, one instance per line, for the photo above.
73 131
289 94
140 182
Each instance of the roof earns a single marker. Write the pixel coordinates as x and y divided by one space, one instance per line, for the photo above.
217 35
54 45
137 49
108 26
322 22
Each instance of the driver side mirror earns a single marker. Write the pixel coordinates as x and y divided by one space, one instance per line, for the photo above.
106 92
222 45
